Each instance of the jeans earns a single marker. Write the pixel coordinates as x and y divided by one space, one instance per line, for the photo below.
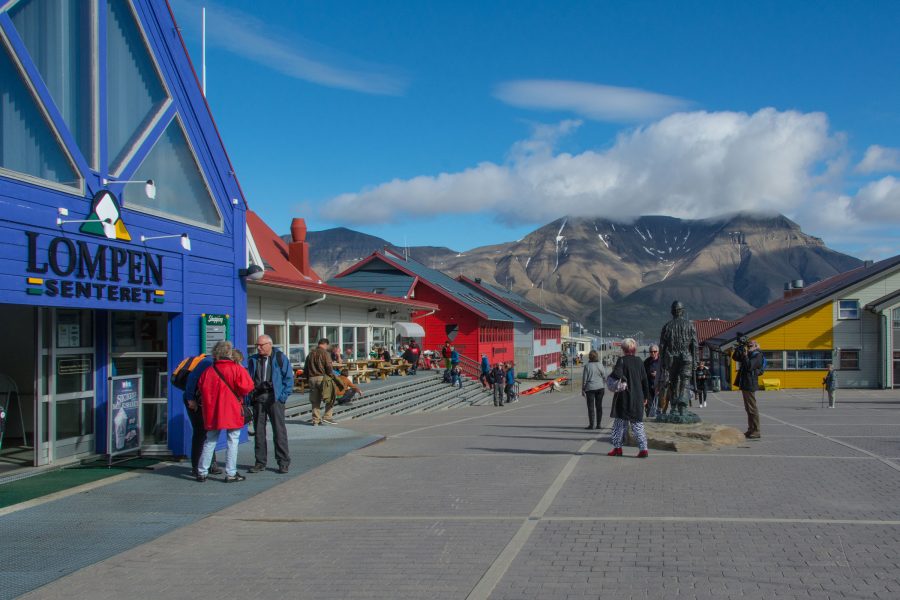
209 448
653 405
831 398
498 394
198 437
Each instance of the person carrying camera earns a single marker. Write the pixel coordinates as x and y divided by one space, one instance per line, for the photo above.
750 361
273 381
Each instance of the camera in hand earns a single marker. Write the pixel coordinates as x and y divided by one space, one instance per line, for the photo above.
263 389
742 341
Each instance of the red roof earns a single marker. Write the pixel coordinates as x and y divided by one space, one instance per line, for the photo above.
709 327
280 272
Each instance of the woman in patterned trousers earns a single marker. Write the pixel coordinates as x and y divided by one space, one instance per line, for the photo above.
628 404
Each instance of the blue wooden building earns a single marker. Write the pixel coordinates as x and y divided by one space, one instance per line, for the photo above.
122 225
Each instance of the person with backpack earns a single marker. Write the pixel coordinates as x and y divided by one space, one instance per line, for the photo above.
497 377
830 383
751 366
485 376
510 389
273 381
223 386
186 376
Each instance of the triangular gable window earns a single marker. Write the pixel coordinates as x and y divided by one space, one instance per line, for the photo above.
135 94
181 190
28 143
58 38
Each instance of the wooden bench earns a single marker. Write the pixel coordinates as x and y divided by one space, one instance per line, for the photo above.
771 384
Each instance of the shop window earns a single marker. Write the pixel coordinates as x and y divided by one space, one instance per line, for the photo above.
139 332
807 360
848 360
362 348
848 309
58 37
135 94
315 333
295 344
28 143
774 360
276 332
181 190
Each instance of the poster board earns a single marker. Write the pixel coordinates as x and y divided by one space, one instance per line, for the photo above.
213 329
123 421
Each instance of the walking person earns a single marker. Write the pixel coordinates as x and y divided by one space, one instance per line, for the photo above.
510 389
831 384
628 404
702 376
593 385
223 386
319 373
192 401
748 356
651 366
484 378
273 382
498 377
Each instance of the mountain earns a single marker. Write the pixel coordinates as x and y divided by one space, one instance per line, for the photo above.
334 250
719 268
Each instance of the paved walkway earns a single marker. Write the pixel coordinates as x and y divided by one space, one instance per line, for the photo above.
521 502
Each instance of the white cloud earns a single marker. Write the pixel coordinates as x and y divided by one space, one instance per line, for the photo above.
245 35
693 165
878 202
593 101
879 159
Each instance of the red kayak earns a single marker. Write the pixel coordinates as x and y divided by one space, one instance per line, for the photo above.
544 386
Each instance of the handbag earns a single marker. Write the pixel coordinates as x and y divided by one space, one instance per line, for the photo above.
246 411
614 384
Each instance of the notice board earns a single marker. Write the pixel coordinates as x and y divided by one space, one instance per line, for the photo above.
213 329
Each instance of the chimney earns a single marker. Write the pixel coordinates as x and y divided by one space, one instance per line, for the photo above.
868 263
793 288
478 280
298 249
788 290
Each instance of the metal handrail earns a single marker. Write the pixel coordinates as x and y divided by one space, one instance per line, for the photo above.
469 367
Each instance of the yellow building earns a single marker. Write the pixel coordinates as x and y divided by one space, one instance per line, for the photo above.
851 320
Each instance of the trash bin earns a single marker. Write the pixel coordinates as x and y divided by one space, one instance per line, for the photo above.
716 383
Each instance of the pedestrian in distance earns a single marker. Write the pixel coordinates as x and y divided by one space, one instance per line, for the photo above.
498 377
651 366
484 378
830 384
446 350
628 404
510 389
319 372
223 387
750 361
273 380
702 377
593 385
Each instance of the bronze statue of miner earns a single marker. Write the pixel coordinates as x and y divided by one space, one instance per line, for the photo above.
678 358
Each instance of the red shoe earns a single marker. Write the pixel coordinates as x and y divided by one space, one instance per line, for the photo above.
615 452
643 454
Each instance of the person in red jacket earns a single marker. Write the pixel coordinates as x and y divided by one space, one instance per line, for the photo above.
222 389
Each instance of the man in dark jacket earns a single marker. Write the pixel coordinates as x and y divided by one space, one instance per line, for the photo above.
498 377
319 373
194 411
651 366
273 378
749 359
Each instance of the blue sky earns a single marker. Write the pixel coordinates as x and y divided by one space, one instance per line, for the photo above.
469 123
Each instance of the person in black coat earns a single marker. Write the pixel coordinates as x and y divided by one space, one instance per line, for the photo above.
750 360
628 404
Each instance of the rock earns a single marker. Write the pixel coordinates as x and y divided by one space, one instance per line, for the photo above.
698 437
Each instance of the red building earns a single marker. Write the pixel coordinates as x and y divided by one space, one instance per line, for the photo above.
473 323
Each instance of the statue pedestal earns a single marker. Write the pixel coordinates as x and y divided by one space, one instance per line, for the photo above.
686 418
698 437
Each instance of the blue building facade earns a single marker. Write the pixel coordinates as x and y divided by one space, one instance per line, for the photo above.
122 225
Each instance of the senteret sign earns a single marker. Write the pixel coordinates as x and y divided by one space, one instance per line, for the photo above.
78 269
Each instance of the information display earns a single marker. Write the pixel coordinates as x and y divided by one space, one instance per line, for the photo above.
213 329
123 431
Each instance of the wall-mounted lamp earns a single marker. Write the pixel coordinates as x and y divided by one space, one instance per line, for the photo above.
149 186
109 227
371 310
185 240
394 312
252 273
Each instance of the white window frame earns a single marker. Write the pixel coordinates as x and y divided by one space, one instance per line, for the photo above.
855 310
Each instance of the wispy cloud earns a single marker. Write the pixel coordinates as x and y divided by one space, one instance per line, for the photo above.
690 165
589 100
879 159
245 35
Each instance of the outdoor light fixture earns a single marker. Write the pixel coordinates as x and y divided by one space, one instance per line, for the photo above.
372 309
394 312
185 240
109 227
149 186
252 273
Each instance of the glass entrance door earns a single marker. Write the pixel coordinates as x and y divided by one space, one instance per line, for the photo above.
65 410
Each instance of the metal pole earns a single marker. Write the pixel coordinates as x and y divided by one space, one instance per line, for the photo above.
203 49
601 325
